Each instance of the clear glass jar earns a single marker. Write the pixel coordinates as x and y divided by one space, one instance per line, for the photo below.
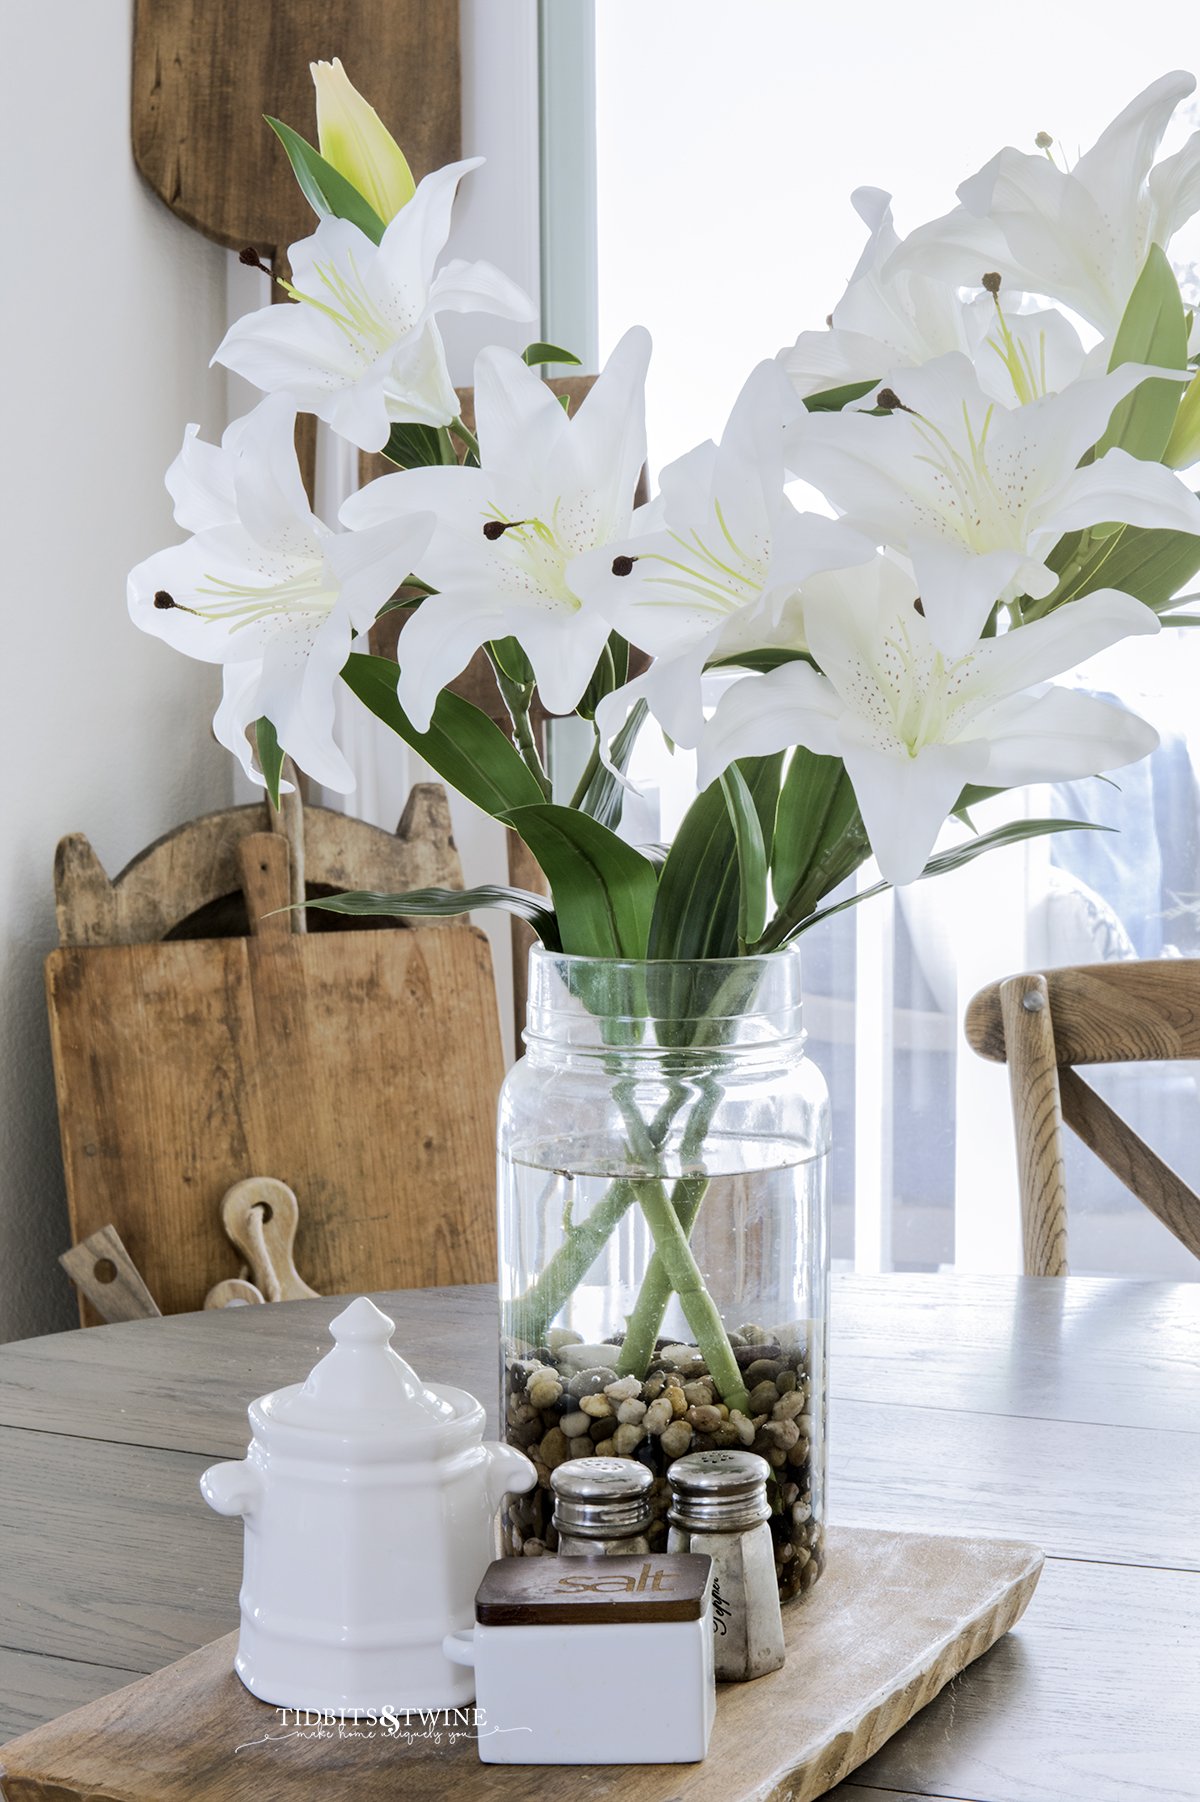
663 1233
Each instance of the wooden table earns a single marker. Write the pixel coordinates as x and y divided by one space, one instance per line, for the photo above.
1063 1411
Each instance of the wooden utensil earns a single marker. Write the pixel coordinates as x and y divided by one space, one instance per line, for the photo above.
260 1216
234 1292
103 1270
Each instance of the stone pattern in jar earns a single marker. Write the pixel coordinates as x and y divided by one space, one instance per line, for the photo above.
565 1400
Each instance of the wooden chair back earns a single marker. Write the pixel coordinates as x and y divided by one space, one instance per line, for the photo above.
1043 1026
360 1067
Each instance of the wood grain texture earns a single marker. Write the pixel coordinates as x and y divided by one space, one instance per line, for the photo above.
102 1269
1089 1351
1106 1013
264 859
171 888
894 1619
1089 1014
1002 1405
1037 1115
34 1689
185 1067
206 71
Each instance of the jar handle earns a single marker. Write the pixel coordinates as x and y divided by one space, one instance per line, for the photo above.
232 1488
509 1472
459 1647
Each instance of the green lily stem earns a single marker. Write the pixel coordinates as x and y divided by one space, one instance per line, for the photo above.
518 698
467 436
530 1315
589 772
699 1309
683 1273
645 1322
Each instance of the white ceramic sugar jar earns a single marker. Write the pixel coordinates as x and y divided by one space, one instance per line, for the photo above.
369 1500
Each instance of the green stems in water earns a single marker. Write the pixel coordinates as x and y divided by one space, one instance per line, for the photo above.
530 1315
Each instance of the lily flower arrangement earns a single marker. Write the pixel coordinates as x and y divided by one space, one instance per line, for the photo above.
995 414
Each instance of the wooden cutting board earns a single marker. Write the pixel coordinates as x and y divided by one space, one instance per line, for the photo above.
893 1619
360 1068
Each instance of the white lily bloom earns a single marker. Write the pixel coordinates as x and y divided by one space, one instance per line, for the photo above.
549 488
1079 235
361 348
913 728
266 589
883 320
714 563
977 495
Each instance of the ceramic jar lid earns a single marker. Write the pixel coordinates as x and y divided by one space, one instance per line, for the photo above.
364 1392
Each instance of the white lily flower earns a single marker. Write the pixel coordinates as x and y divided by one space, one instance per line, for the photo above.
714 564
883 320
266 589
508 533
361 348
1079 235
977 495
913 728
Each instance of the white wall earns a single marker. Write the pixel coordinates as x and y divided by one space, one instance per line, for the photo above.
108 314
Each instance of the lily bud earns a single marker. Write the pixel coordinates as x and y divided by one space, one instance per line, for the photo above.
352 136
1183 446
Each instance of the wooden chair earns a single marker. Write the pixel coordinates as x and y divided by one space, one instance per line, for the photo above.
201 1038
1042 1026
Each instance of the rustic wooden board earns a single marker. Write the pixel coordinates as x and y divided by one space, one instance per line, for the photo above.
205 72
893 1620
361 1069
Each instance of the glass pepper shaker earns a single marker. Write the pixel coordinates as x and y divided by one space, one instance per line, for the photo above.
601 1507
719 1505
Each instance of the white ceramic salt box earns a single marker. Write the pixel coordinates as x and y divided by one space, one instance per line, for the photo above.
369 1501
593 1660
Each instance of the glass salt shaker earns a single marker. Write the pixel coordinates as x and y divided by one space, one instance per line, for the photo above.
602 1507
719 1506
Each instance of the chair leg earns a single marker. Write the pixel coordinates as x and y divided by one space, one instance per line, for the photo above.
1037 1116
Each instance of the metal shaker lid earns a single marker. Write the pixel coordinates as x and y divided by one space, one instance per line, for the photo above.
719 1491
601 1498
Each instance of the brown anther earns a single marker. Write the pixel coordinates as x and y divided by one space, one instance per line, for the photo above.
919 607
623 566
1043 140
162 600
991 282
496 528
890 401
252 260
829 320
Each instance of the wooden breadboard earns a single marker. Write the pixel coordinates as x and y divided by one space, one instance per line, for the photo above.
360 1068
895 1616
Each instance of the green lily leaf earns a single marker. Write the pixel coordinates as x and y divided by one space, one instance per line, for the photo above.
324 189
465 747
819 836
443 903
414 447
270 757
832 400
751 856
547 353
696 912
603 889
1153 330
1152 565
512 662
604 797
1011 834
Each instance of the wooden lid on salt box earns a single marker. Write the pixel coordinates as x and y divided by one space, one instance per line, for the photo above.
532 1592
